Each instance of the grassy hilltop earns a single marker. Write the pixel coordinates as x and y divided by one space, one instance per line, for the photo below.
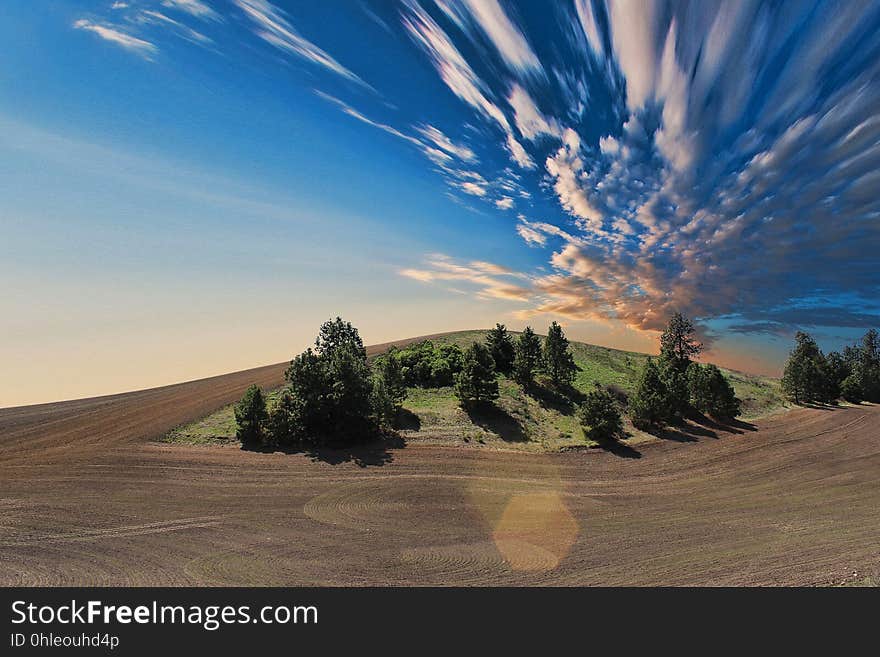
543 421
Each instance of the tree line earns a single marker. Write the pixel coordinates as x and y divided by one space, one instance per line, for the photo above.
334 395
810 376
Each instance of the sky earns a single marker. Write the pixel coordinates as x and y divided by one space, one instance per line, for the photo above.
190 187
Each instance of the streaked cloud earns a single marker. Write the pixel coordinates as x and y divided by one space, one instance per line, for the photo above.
197 8
114 34
274 28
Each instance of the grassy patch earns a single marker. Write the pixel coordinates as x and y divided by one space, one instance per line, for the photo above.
538 420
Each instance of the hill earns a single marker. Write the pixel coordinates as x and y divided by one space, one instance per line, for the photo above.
542 421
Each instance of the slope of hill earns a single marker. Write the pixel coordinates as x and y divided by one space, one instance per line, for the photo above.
541 421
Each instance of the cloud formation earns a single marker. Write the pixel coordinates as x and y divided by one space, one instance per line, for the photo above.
116 35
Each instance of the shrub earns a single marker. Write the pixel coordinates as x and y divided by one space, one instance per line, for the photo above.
476 383
250 416
599 415
428 365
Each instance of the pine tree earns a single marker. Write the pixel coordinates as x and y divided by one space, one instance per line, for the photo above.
558 360
599 415
711 393
500 344
649 406
527 358
678 346
803 379
476 383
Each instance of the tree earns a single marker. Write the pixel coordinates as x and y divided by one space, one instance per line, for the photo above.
676 384
384 408
284 426
333 386
500 344
250 416
678 346
476 383
868 368
391 372
558 360
851 389
803 379
527 357
649 405
599 415
711 393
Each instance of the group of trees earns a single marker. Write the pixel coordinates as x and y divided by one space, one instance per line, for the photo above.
522 359
675 385
332 395
854 375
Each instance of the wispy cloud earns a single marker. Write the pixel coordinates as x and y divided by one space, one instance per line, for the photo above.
273 27
494 22
186 32
117 36
197 8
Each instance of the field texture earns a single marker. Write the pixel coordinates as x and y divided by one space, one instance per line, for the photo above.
88 497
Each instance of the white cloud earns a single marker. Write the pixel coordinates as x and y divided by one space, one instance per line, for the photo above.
113 34
504 203
507 38
197 8
588 23
443 142
528 118
156 18
274 28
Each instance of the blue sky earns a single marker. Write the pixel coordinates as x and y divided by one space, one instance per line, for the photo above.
191 187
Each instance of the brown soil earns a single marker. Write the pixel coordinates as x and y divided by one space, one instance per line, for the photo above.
86 498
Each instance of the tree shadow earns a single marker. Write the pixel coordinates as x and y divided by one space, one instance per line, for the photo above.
564 399
731 425
618 448
495 419
820 406
375 453
681 432
407 420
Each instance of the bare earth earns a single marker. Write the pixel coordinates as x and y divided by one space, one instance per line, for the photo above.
86 498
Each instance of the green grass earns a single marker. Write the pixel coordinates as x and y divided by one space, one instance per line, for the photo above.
541 421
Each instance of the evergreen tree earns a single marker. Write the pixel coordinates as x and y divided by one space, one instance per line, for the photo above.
678 346
676 384
803 379
527 357
711 393
333 386
558 360
250 416
649 405
851 389
599 415
476 383
868 369
500 344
